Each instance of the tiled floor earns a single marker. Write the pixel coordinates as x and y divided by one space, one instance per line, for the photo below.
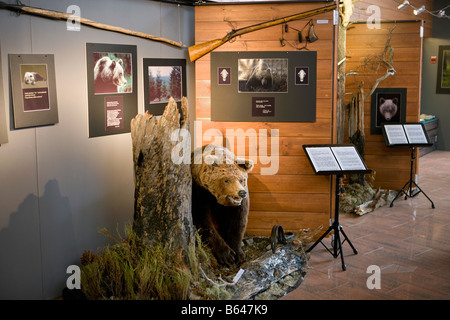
409 242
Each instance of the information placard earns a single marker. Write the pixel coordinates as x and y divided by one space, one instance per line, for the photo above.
335 159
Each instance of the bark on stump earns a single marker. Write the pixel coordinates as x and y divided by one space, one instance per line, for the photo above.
163 187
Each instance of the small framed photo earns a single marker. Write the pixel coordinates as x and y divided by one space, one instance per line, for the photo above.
301 76
34 89
388 106
443 75
163 78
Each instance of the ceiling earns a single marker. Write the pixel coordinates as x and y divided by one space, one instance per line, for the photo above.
212 2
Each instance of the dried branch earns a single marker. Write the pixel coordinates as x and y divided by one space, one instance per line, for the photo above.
390 71
223 284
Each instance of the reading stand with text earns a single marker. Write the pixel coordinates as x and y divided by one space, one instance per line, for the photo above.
337 159
412 135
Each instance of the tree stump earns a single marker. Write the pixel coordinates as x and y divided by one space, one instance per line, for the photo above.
163 184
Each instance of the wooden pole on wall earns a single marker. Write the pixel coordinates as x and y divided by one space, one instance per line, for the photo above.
22 9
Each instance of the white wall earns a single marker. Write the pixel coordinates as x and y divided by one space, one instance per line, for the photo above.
57 186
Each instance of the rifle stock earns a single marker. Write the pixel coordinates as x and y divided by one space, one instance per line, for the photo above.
199 50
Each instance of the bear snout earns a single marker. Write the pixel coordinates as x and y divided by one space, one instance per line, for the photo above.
242 193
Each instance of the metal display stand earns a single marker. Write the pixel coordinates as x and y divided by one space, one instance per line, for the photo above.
335 160
412 135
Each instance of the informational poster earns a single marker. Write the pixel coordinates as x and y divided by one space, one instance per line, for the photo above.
409 134
254 86
334 159
114 113
34 89
112 88
263 106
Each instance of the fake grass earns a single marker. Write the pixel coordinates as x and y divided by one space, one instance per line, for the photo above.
131 270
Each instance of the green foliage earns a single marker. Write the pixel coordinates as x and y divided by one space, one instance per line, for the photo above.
130 270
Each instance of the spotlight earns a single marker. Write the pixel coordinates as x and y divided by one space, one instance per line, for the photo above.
420 10
441 13
403 5
282 42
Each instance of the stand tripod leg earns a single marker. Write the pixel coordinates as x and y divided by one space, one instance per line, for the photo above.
338 245
348 240
399 193
420 190
320 239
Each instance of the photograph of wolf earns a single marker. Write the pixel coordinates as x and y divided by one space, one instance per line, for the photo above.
263 75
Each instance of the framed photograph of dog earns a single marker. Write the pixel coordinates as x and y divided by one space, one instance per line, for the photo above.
33 86
388 105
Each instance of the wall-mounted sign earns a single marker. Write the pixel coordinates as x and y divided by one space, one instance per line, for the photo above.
112 87
34 89
246 86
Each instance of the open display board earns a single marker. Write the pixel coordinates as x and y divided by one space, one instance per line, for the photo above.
412 135
335 159
406 134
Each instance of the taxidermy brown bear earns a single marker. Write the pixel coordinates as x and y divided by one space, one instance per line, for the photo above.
220 201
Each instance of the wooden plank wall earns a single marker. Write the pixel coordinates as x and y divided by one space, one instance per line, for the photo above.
392 165
390 12
294 198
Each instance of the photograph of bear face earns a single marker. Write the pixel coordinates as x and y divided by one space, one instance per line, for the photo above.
34 75
388 108
112 73
263 75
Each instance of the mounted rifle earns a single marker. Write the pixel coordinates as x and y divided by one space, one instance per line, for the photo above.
199 50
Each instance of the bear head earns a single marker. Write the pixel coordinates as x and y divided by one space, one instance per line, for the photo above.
388 108
223 174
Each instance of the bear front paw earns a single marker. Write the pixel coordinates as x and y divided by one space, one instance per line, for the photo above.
225 255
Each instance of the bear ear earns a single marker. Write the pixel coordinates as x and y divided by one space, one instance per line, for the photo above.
120 62
211 160
395 100
247 165
113 64
381 100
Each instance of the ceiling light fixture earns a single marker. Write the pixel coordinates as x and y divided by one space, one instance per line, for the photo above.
420 10
403 5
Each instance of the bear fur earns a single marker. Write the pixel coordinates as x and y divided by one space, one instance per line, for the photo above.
260 78
32 78
109 75
388 108
220 201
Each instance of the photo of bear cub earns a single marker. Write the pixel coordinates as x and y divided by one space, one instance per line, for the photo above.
220 201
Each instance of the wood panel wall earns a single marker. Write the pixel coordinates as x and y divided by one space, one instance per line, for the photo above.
390 12
294 198
392 165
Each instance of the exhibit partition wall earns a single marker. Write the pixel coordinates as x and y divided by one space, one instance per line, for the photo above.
58 186
395 99
265 121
